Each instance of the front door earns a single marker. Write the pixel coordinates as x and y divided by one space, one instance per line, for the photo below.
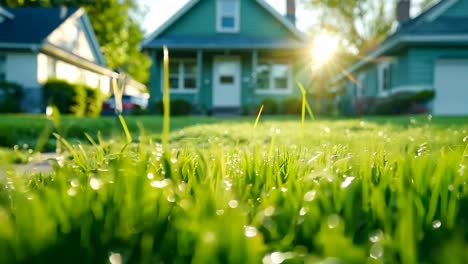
226 82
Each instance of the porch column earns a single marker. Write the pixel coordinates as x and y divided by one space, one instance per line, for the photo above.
155 80
199 95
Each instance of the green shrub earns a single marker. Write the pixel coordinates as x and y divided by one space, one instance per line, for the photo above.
94 100
179 107
292 106
270 106
424 96
11 95
404 103
68 98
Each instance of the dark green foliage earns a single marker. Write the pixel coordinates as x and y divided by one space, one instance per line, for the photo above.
404 103
270 106
75 99
292 106
179 107
11 95
94 100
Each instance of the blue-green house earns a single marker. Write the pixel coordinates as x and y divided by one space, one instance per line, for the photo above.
229 55
429 51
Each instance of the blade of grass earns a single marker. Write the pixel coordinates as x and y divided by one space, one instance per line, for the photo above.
125 128
258 116
166 102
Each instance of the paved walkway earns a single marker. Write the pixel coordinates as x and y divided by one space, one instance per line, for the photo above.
40 164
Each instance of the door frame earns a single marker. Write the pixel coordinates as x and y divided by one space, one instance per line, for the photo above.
230 58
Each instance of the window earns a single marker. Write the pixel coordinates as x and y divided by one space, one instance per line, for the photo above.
228 15
2 67
273 77
361 85
385 77
183 75
51 67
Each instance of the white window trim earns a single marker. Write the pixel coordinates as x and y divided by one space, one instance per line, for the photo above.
181 89
381 68
271 89
219 27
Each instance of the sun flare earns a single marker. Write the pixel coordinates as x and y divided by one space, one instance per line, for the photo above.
324 48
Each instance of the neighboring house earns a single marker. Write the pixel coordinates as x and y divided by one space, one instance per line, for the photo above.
429 51
228 55
41 43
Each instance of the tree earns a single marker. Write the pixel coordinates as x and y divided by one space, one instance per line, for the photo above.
117 31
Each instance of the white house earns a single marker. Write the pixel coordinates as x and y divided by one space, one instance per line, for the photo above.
41 43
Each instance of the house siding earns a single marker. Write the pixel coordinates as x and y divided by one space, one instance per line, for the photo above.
254 21
458 9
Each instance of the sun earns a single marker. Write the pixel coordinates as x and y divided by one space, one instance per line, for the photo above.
323 49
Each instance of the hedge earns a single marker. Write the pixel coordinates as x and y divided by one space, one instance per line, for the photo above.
11 95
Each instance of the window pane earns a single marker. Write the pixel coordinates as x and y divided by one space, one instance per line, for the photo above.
173 67
174 82
227 22
190 83
190 68
387 78
2 67
263 76
226 79
280 76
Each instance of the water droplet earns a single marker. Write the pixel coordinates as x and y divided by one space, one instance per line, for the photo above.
250 231
347 182
436 224
465 139
150 176
310 196
274 258
49 111
115 258
333 221
284 189
227 185
269 211
173 160
71 192
220 212
161 184
377 251
376 236
451 188
74 183
171 199
233 204
303 211
95 183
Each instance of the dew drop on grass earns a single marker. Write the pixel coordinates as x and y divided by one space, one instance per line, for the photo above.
220 212
74 183
171 199
376 236
284 189
233 204
250 231
436 224
115 258
209 237
347 182
333 221
377 251
71 192
95 183
150 176
303 211
310 196
465 139
161 184
269 211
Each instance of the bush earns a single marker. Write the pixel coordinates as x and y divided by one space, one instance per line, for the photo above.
404 103
11 95
179 107
292 106
270 106
70 98
94 101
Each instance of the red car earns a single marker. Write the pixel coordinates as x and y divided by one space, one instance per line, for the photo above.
130 103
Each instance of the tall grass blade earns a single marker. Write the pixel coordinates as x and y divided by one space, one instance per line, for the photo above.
166 102
258 116
128 136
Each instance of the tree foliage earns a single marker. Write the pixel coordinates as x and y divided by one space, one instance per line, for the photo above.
116 28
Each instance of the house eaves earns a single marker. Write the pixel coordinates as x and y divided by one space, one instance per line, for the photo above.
283 20
404 37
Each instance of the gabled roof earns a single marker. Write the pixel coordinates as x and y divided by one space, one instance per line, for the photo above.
32 25
429 27
187 7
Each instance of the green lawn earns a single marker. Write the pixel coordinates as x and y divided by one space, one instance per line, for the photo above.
378 190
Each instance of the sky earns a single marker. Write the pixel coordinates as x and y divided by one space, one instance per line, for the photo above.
158 11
